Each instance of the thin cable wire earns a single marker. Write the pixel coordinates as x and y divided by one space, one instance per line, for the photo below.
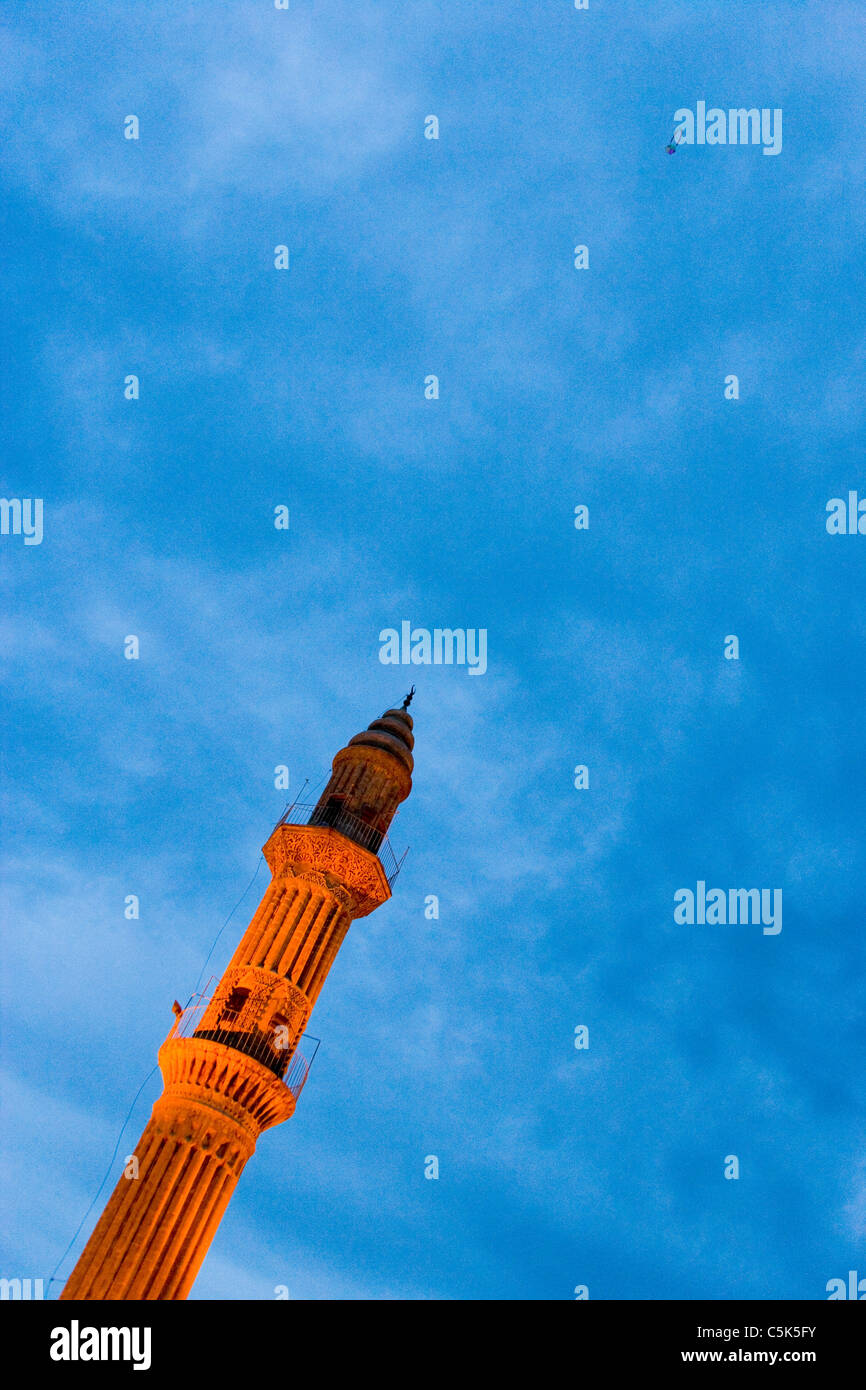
227 920
104 1180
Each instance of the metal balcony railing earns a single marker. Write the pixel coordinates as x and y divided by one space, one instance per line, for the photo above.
357 830
263 1047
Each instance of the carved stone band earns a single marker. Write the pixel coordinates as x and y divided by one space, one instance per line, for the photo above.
299 849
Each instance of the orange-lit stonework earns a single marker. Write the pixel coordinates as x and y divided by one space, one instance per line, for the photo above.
229 1066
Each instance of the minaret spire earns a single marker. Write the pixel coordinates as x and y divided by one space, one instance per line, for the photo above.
230 1064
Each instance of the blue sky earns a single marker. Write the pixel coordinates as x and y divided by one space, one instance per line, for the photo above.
454 257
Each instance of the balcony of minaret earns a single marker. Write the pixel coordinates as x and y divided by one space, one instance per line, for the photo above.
196 1063
362 829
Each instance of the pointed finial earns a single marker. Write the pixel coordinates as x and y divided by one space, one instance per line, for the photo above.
408 700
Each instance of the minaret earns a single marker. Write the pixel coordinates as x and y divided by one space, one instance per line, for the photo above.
229 1064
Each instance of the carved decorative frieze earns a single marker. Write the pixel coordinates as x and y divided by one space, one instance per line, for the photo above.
298 850
268 996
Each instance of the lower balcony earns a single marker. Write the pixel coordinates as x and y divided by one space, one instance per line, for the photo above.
292 1068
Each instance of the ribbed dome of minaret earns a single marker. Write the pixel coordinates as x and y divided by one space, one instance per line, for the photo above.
393 732
369 778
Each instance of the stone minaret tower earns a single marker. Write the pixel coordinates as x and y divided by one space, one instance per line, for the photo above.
229 1064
